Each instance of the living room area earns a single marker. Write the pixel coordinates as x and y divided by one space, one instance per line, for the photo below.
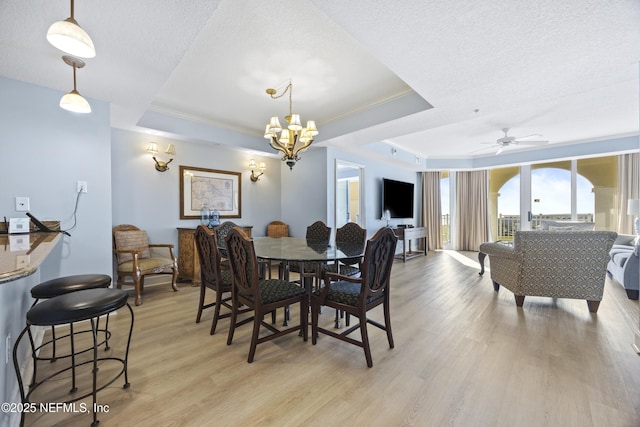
488 110
464 355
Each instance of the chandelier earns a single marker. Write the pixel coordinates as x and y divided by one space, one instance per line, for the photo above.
294 139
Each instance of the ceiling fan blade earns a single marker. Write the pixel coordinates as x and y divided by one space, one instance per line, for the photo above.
481 149
531 142
500 150
528 136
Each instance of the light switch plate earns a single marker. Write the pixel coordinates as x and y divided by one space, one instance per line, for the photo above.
18 225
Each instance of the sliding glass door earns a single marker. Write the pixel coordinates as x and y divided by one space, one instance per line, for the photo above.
578 190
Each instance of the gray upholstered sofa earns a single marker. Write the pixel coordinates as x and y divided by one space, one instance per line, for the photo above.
624 264
557 264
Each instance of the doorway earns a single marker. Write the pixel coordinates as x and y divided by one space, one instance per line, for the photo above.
349 193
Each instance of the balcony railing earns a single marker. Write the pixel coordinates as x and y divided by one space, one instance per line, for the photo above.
508 224
445 229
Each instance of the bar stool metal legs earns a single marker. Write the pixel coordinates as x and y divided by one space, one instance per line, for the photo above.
68 309
64 285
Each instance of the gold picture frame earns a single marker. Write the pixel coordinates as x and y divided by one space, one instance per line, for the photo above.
217 189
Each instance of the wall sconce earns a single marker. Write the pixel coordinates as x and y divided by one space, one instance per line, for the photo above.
253 166
160 165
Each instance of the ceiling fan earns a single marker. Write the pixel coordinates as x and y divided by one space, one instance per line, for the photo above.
507 141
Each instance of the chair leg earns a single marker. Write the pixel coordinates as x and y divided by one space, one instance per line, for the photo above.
234 316
365 339
174 279
216 312
254 336
304 318
519 300
387 323
202 292
137 282
315 308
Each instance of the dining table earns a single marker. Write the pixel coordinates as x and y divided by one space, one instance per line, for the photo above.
304 251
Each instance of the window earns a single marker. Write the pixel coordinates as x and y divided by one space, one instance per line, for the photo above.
445 207
578 190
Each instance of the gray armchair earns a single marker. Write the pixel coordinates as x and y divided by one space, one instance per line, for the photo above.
557 264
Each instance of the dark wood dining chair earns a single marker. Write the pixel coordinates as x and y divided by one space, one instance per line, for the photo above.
358 295
317 232
349 237
212 276
260 296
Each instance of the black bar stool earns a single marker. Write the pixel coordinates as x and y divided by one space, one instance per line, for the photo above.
64 285
69 308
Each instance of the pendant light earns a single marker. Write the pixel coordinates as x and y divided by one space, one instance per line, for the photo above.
70 38
73 101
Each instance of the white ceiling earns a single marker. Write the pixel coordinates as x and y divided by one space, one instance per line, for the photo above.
366 71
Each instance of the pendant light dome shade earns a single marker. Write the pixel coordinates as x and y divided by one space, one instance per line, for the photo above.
70 38
73 101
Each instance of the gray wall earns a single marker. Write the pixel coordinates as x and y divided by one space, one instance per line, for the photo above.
374 171
150 199
44 151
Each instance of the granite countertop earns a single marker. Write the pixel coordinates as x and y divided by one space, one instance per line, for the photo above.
21 254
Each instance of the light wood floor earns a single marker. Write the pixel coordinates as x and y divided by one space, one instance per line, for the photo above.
464 356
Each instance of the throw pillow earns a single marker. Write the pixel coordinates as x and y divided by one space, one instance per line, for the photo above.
132 239
565 228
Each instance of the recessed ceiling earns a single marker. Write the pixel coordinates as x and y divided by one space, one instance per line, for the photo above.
435 78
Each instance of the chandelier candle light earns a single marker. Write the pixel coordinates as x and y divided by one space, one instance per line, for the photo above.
295 138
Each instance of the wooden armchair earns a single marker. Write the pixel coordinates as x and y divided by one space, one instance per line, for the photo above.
557 264
134 258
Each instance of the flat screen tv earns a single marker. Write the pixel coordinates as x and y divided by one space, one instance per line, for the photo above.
397 198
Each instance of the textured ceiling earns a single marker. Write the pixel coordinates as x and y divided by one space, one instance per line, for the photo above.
367 72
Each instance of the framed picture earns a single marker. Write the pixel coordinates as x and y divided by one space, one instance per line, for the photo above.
216 189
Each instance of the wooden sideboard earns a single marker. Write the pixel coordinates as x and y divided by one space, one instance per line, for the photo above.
408 234
188 260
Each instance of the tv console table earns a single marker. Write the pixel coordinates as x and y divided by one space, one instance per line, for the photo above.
408 234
